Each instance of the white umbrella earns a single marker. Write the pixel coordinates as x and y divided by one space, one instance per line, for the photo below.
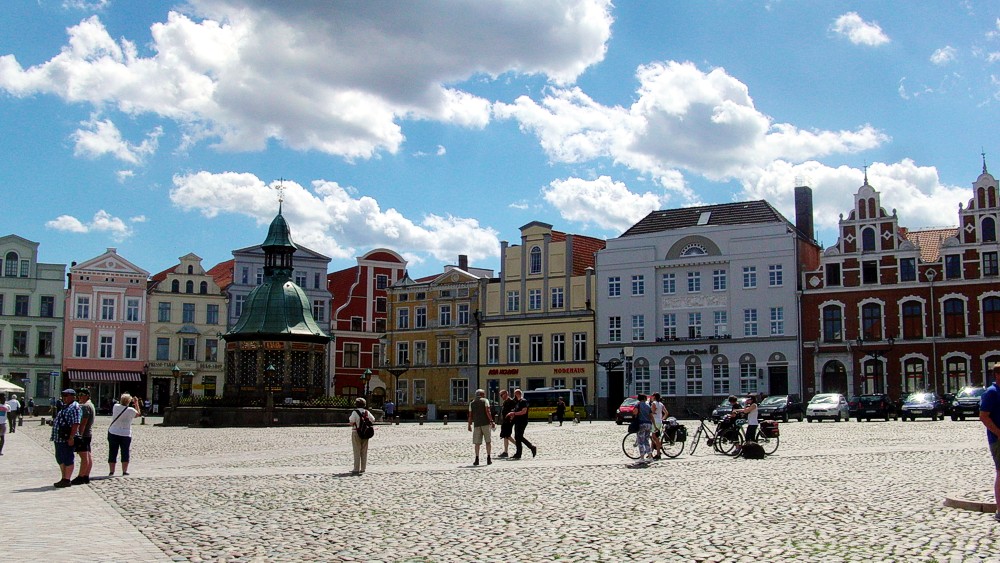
8 387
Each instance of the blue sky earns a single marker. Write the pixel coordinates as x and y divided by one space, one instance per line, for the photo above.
438 128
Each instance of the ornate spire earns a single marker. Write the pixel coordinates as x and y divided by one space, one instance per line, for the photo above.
984 160
865 168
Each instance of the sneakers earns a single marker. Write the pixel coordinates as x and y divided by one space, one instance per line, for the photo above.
476 462
80 480
501 456
62 483
489 461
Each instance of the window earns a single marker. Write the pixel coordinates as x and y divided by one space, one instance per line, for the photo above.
638 328
462 352
47 306
175 286
833 274
694 381
614 286
668 378
670 326
720 379
381 304
513 349
614 329
211 350
132 310
558 382
493 350
245 275
913 375
871 321
444 315
162 349
81 346
316 278
187 313
869 272
20 343
694 325
319 310
748 375
558 347
719 281
352 354
535 348
357 324
749 277
131 347
749 322
420 317
669 282
300 279
775 275
557 298
990 267
513 301
260 276
463 314
638 285
989 230
777 321
203 288
381 281
189 287
459 391
907 269
10 270
579 347
419 391
534 299
402 387
107 308
106 348
403 319
1 303
721 322
402 353
380 326
833 324
913 320
953 266
163 312
45 340
868 240
238 305
954 318
694 282
188 349
580 384
420 353
535 260
212 314
82 307
642 379
21 305
444 352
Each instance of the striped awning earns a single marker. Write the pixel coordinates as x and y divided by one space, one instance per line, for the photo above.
100 375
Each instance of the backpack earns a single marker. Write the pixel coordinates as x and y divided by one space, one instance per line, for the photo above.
365 428
752 450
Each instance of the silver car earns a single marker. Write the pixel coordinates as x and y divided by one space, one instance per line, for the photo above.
827 405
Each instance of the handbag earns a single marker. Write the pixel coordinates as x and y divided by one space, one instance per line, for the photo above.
633 426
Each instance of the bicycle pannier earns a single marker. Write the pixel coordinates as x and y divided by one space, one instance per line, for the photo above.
770 428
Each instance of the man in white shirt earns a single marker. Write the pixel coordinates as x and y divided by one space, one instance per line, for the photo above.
3 421
660 413
14 410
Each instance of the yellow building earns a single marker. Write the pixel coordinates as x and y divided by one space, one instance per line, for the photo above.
538 323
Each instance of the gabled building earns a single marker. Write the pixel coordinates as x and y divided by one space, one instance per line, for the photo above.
538 315
358 321
32 301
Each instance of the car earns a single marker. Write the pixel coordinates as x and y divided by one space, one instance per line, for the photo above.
827 405
874 405
725 408
921 404
966 403
781 406
625 410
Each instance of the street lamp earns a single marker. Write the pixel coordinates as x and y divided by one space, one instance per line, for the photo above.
876 354
175 399
365 377
396 372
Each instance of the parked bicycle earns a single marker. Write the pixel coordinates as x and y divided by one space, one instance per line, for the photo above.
767 435
725 439
672 440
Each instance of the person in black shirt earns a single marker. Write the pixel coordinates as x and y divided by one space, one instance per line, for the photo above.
520 418
507 423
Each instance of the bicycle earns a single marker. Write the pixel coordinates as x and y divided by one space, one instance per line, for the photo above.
671 441
724 441
767 435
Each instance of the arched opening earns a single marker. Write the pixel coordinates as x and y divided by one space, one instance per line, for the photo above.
834 378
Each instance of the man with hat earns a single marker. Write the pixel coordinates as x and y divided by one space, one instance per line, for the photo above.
65 427
82 442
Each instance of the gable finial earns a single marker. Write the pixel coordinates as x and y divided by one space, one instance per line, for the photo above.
983 152
865 168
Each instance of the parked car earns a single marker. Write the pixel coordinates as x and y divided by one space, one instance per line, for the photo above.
625 410
827 405
922 403
874 405
725 408
966 403
783 407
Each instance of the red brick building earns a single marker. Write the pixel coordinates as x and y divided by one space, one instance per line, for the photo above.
893 310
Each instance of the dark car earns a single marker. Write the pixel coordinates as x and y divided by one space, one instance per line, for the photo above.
921 404
875 405
783 407
725 408
625 410
966 403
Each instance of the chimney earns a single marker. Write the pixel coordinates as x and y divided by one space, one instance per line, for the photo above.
463 262
804 211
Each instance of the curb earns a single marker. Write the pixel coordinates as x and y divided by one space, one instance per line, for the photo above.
972 505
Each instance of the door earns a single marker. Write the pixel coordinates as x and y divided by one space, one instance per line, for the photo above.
161 394
777 380
616 390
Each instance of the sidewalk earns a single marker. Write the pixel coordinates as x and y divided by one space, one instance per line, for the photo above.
72 524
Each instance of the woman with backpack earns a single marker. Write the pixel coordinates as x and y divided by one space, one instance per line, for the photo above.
361 421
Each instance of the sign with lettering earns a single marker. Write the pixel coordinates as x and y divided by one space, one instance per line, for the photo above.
506 371
568 370
694 352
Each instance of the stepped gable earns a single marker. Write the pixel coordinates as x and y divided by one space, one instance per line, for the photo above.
740 213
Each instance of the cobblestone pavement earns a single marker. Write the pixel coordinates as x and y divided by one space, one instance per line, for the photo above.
844 491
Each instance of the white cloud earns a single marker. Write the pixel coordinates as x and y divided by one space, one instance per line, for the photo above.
101 222
944 55
330 219
603 202
102 137
858 31
86 5
325 76
124 175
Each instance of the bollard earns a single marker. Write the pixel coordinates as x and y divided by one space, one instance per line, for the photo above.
397 420
446 420
43 421
20 421
552 417
143 421
420 417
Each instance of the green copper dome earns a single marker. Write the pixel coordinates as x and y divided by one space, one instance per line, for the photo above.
277 307
278 234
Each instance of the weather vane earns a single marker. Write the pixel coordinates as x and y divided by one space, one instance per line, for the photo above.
280 188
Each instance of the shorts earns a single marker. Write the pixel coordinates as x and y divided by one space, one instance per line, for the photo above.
64 454
506 428
481 434
995 450
657 427
81 444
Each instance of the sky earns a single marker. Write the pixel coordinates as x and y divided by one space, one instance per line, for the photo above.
438 128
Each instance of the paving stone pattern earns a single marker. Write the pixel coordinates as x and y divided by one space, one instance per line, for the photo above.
834 492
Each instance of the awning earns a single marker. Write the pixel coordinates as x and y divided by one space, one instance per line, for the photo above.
99 375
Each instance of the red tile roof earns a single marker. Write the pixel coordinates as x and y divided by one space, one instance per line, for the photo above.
222 273
929 241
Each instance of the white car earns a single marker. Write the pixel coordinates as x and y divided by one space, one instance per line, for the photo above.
827 405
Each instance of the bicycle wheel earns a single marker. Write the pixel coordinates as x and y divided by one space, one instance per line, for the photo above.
770 445
630 445
727 442
695 440
671 447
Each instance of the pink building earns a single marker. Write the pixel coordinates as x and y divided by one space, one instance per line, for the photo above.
105 332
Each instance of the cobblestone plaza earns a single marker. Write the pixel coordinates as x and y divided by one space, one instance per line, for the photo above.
833 492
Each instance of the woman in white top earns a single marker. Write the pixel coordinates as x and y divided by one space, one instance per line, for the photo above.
751 411
359 445
120 431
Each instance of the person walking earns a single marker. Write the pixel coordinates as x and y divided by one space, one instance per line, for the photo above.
82 442
989 414
481 425
14 410
506 422
359 444
120 431
659 414
520 418
31 407
560 410
390 410
65 427
3 420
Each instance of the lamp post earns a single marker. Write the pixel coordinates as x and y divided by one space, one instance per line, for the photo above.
175 398
876 354
396 372
365 377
